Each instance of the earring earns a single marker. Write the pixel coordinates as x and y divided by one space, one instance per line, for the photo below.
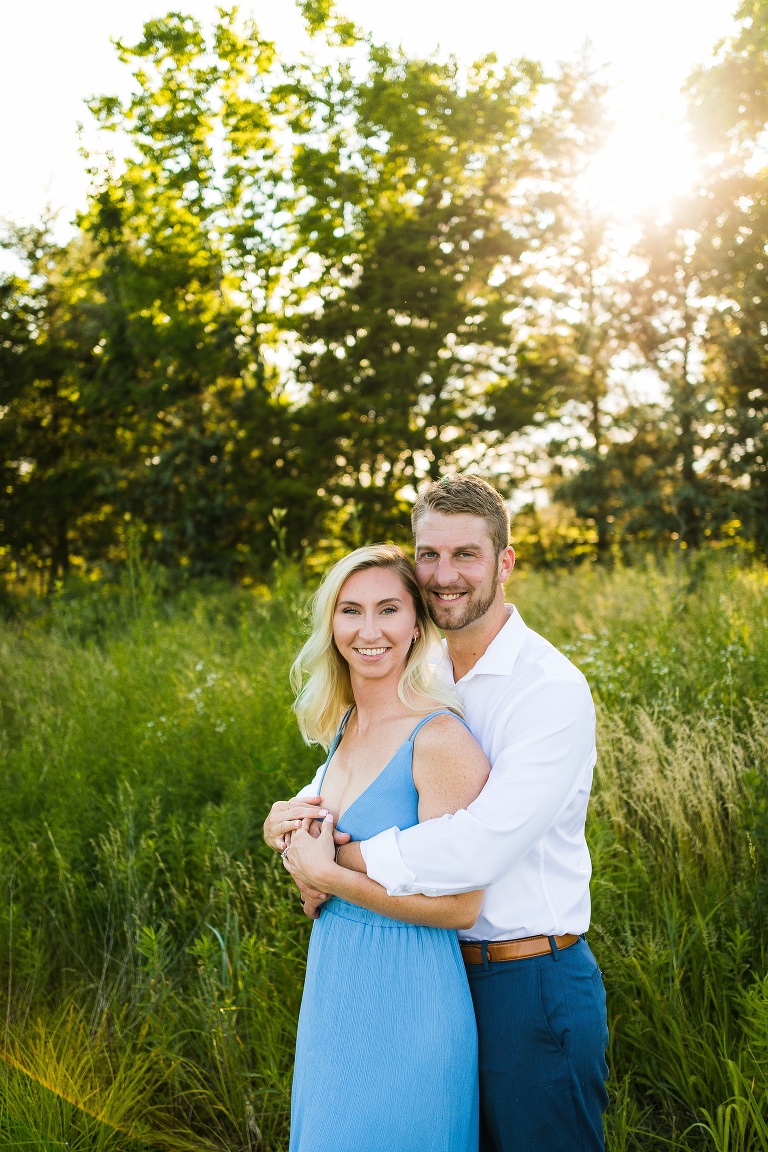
415 636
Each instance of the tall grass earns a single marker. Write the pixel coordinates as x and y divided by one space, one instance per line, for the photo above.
151 952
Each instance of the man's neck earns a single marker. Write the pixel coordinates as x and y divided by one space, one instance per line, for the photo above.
467 645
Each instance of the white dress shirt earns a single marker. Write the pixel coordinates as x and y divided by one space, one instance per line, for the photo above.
522 839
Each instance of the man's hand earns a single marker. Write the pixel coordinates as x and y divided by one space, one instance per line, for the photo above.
286 815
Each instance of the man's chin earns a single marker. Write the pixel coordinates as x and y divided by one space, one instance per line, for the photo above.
453 619
450 619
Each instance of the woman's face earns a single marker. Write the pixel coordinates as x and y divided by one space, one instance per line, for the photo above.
374 623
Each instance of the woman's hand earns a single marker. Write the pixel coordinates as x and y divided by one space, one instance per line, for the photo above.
311 900
311 859
287 815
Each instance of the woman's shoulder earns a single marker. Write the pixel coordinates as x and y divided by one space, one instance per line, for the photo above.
446 753
442 729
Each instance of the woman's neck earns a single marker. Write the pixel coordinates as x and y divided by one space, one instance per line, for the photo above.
376 702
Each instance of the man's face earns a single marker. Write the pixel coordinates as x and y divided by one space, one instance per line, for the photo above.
458 568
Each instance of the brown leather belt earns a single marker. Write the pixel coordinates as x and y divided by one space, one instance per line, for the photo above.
498 950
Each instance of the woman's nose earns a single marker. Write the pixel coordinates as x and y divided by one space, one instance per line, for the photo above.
370 627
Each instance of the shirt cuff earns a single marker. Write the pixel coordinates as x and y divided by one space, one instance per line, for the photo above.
384 864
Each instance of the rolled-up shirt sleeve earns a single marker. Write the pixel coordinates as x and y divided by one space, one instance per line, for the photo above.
547 747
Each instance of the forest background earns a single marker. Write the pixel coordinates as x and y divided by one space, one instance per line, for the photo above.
300 288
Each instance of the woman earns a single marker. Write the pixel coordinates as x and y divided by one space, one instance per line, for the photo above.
386 1052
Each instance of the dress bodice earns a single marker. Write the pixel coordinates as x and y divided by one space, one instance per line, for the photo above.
391 799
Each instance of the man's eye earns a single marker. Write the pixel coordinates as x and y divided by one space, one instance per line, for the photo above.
427 555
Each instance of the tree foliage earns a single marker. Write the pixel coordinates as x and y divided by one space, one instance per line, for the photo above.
729 106
403 223
300 289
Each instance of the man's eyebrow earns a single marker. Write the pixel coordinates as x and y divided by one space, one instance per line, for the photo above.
460 548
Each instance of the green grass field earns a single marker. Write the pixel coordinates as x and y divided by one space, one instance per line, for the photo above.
151 951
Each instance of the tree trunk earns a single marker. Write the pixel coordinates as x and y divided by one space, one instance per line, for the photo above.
60 555
689 512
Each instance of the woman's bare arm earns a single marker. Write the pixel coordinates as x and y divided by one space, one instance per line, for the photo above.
449 767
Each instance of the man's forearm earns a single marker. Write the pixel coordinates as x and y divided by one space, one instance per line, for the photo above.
350 856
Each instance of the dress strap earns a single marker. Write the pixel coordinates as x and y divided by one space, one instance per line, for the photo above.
340 732
335 743
426 719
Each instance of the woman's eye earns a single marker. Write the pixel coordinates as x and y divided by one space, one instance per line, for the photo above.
349 611
389 610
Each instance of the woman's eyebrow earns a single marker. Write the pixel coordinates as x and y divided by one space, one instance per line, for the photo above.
356 604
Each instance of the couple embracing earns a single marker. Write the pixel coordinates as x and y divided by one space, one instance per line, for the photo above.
453 797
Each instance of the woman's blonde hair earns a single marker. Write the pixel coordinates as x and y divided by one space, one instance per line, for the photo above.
320 674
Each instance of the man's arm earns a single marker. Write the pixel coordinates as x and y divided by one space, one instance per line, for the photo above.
311 863
547 753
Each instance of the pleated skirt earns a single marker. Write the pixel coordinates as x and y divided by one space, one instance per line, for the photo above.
386 1051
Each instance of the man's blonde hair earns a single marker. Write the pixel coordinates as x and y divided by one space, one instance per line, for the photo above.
320 674
470 495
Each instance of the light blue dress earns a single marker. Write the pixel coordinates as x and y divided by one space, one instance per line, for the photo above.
386 1051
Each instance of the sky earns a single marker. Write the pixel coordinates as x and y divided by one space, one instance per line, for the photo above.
54 54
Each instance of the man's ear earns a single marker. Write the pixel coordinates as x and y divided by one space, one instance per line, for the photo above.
506 564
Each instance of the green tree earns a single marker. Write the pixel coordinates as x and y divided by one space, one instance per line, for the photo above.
729 110
405 362
134 384
56 438
183 251
672 328
576 300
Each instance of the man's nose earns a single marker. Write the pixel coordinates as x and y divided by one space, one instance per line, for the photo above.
445 572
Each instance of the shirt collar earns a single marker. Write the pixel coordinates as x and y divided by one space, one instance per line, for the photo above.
500 655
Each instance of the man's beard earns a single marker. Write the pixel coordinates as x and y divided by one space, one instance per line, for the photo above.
476 606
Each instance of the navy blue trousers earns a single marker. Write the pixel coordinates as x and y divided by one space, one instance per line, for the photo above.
543 1032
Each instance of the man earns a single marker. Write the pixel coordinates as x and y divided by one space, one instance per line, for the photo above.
538 993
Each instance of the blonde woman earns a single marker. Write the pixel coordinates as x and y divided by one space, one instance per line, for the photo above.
386 1051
